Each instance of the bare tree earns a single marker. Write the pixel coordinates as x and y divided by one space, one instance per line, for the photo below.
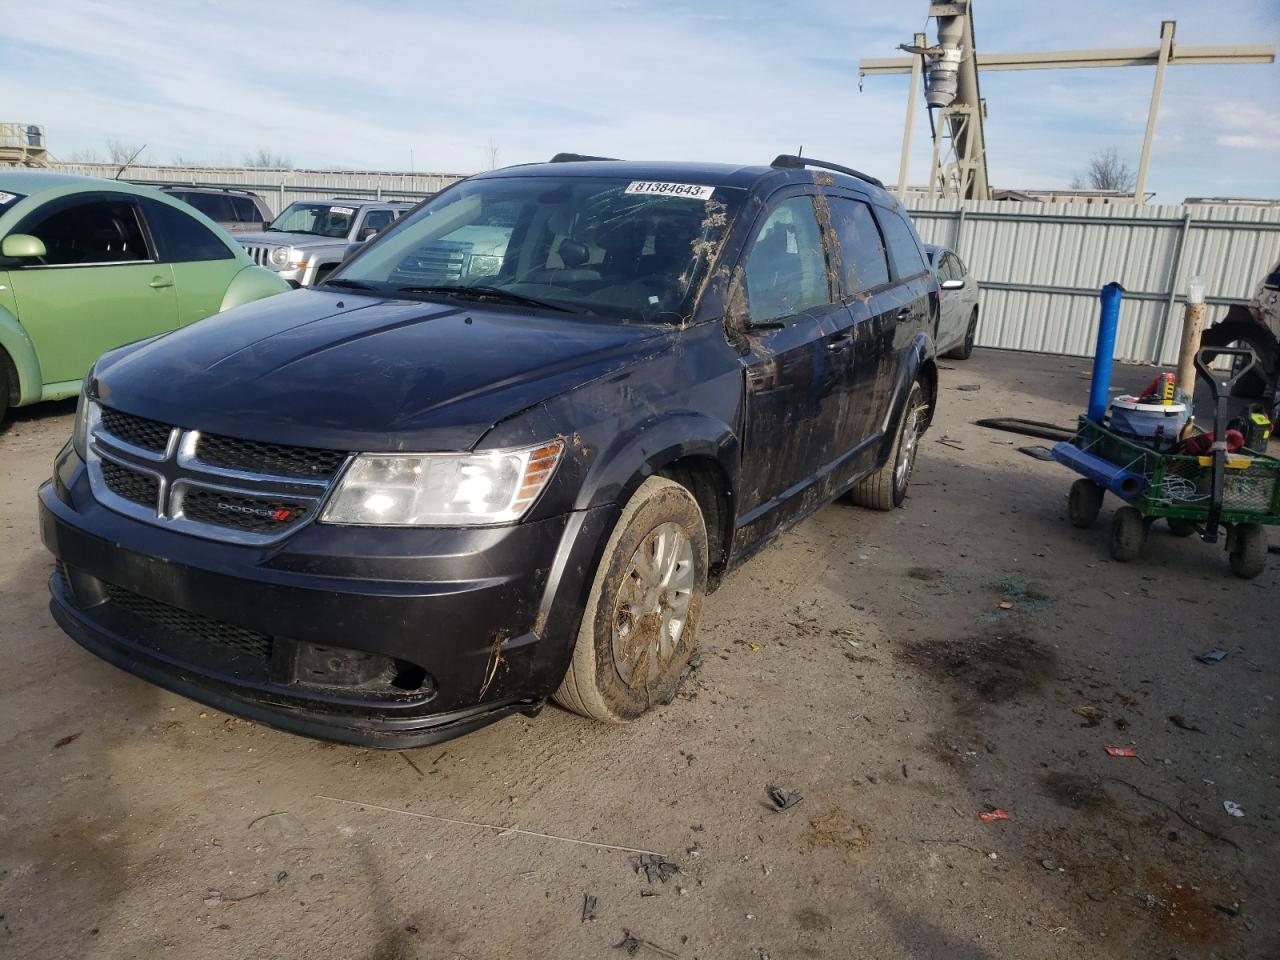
121 151
265 158
88 155
1106 171
491 154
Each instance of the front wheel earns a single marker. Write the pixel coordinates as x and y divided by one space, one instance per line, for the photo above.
1128 534
886 488
1084 503
1248 550
638 629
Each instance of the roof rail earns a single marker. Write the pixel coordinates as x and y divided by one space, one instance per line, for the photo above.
576 158
788 161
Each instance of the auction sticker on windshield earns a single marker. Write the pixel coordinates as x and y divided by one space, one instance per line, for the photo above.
692 190
345 210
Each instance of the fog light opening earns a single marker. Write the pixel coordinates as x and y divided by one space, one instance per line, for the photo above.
409 676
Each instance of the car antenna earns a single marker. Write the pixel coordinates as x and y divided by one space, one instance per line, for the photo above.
125 166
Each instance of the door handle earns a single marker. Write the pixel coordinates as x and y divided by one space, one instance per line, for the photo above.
906 313
159 283
841 342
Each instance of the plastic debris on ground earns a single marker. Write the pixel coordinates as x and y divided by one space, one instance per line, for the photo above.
1233 808
588 907
995 813
1216 655
783 799
1115 751
655 867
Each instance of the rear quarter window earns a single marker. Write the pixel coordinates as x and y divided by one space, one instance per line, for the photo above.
180 238
904 250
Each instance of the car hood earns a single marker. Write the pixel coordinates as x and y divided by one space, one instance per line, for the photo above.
327 369
280 239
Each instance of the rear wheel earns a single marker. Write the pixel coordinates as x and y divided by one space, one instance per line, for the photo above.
965 350
1128 534
1084 503
1248 550
638 629
887 487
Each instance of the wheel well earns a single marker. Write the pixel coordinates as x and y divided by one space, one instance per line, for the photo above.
10 371
929 378
707 481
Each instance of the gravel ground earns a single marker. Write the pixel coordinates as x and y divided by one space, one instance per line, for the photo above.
902 672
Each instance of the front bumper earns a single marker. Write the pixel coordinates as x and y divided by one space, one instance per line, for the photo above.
484 618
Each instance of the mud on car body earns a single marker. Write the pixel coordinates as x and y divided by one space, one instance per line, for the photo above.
502 453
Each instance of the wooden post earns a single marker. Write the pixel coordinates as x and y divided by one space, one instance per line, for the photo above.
1192 325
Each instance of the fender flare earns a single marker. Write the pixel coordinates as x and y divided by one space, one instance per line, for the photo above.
251 283
22 353
618 470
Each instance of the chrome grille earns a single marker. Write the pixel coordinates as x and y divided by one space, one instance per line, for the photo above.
139 431
258 514
274 458
222 488
261 254
137 487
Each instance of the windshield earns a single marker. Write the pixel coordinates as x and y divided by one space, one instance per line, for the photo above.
608 247
320 219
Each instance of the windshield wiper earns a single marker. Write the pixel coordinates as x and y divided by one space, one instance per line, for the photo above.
349 284
487 293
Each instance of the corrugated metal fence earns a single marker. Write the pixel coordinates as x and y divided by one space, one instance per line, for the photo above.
281 187
1040 266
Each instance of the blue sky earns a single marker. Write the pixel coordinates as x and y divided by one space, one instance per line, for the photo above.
361 85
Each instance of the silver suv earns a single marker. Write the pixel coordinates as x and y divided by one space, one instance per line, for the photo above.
311 237
235 211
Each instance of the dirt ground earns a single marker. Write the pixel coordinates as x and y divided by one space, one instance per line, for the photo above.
866 661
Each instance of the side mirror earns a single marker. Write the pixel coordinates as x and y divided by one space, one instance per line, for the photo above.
22 246
952 284
368 233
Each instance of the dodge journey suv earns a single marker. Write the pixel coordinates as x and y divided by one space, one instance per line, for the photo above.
502 453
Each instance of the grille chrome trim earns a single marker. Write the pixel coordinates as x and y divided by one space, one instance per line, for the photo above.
177 471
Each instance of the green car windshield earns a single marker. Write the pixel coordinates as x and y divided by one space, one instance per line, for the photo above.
319 219
604 247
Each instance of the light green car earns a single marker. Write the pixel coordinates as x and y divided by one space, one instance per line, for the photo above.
87 265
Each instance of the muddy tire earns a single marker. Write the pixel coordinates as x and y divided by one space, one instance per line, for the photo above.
965 350
1128 534
1179 527
1248 550
886 488
1084 503
640 623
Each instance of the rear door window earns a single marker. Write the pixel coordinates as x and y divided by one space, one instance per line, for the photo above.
904 250
180 238
786 265
89 231
862 256
246 211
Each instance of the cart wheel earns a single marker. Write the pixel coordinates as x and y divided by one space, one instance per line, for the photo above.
1128 534
1084 503
1248 550
1179 527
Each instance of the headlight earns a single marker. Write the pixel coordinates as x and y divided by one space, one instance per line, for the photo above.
80 430
442 489
279 256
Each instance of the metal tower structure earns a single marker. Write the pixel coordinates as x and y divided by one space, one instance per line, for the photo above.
23 144
951 69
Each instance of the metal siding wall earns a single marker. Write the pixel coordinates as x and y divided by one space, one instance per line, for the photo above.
1042 246
279 188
